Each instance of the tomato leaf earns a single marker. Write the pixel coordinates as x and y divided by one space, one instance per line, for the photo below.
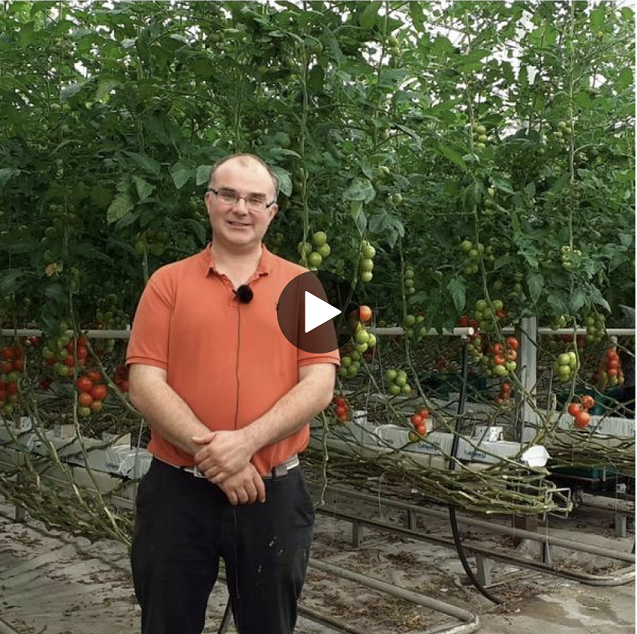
7 173
144 188
285 182
360 189
535 282
203 174
458 292
576 300
181 174
453 156
369 15
120 207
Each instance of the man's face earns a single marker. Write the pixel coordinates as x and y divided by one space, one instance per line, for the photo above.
237 225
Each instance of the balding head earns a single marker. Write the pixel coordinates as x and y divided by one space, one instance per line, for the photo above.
248 161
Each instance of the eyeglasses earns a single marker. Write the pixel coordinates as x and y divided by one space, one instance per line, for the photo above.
256 204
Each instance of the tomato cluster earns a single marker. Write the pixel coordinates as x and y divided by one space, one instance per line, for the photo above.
366 262
414 326
11 367
410 287
312 255
418 421
505 394
579 411
341 408
397 380
121 377
91 393
610 373
60 353
364 340
565 366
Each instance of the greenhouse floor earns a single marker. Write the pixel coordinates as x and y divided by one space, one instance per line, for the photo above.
53 583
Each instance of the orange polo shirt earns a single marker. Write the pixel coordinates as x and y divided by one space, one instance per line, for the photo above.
229 361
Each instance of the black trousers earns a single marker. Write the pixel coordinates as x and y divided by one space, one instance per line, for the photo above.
184 525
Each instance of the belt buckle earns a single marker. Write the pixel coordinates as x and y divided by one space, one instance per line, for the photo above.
280 470
197 473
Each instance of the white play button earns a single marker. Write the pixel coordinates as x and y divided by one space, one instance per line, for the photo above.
317 312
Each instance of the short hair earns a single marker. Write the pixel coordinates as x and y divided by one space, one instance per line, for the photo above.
248 157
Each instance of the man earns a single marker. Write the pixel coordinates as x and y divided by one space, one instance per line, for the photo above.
228 400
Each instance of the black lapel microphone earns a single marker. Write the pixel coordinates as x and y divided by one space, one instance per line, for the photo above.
244 294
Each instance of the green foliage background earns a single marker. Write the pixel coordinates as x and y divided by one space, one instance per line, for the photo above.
111 116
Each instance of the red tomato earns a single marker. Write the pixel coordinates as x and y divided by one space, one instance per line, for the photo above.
588 401
582 420
69 360
612 371
84 384
82 352
505 388
85 399
574 409
12 388
416 420
498 360
498 348
99 392
340 411
611 363
423 412
94 375
339 400
511 355
512 343
365 313
463 322
8 352
422 430
6 367
123 386
96 406
18 364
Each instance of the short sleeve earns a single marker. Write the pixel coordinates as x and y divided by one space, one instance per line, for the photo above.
151 325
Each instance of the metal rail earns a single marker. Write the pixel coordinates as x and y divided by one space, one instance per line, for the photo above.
505 530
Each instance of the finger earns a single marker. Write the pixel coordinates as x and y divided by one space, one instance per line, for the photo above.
251 490
205 439
232 497
243 495
260 486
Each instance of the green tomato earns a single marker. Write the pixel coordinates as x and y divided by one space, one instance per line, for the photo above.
368 251
304 248
324 250
366 264
410 321
391 375
394 389
371 342
366 276
319 238
362 336
361 347
314 259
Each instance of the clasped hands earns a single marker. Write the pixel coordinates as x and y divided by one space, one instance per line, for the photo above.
224 458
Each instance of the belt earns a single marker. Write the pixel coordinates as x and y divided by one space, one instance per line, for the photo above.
280 471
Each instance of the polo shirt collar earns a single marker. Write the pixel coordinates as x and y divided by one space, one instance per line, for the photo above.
266 262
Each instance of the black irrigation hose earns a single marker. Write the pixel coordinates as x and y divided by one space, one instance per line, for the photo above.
454 450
